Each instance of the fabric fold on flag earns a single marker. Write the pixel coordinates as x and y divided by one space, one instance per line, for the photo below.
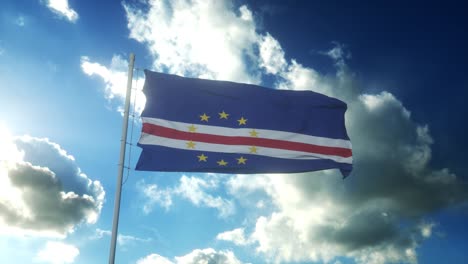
196 125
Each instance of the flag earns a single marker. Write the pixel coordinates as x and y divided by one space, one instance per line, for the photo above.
196 125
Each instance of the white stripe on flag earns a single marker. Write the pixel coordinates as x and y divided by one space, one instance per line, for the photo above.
148 139
245 132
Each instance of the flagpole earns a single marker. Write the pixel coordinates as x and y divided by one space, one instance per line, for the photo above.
123 144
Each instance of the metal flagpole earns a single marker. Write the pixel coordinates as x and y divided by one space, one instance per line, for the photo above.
123 143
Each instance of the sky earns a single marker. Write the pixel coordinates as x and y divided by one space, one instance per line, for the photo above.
400 67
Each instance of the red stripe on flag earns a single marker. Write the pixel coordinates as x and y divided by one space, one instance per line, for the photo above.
161 131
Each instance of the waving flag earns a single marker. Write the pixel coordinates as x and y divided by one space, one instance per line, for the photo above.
195 125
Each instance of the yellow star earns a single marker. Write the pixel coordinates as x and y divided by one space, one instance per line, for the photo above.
190 144
222 163
192 128
202 157
204 117
241 160
242 121
253 133
223 115
253 149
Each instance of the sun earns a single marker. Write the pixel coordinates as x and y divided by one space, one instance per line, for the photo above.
9 153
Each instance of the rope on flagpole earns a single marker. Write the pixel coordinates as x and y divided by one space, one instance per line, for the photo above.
129 160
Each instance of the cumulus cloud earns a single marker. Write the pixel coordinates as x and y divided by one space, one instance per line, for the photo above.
194 189
207 255
57 253
42 190
319 217
115 79
209 39
62 9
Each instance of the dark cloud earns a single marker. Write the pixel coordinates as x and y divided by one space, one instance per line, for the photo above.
50 155
392 161
53 194
376 229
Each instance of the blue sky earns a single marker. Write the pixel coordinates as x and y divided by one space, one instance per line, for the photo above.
400 68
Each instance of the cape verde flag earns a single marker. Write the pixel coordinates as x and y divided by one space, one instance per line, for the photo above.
195 125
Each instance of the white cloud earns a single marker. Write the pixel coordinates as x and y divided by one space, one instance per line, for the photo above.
122 240
115 79
236 236
206 39
154 259
155 196
42 190
57 253
197 256
61 8
271 55
338 53
194 189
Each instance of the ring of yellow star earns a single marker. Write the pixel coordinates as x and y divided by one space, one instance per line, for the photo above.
253 133
192 128
253 149
222 163
241 160
223 115
202 157
242 121
190 144
204 117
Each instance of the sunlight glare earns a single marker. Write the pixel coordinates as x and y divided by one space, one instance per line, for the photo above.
8 151
9 157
